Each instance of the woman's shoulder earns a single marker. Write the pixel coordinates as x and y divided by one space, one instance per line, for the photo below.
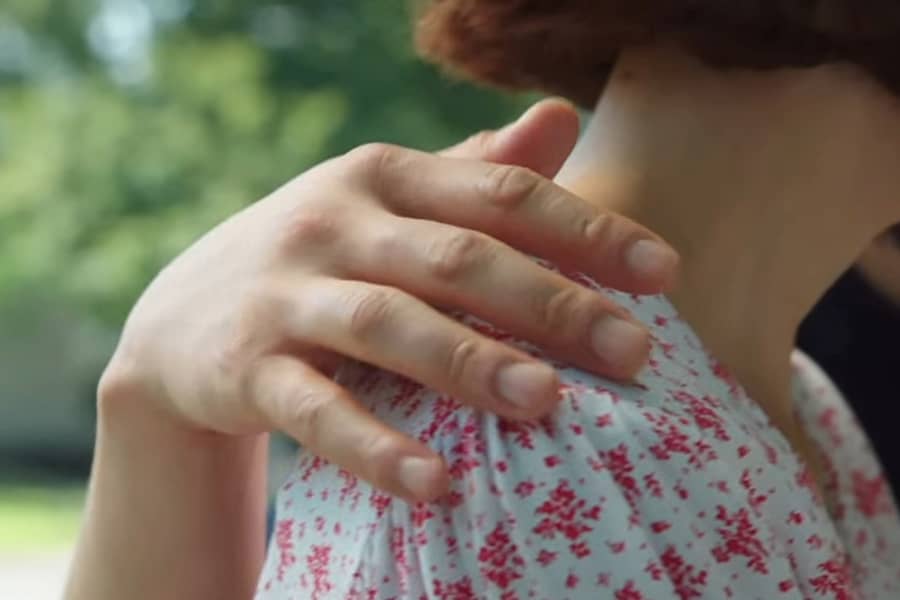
672 482
861 503
829 421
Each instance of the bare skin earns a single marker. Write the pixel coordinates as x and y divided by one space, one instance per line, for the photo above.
880 265
769 185
236 337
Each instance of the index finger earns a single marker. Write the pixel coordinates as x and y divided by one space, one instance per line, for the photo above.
523 209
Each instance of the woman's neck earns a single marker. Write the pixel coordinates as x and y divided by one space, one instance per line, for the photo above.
769 184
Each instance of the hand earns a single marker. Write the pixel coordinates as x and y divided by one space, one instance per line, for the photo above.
238 334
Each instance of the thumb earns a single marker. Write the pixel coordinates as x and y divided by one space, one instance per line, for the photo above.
541 139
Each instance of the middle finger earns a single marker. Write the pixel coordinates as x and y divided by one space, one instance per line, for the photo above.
455 267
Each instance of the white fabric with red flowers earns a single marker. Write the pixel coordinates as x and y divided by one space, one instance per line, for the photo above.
674 487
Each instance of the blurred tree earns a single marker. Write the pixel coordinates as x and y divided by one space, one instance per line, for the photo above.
128 127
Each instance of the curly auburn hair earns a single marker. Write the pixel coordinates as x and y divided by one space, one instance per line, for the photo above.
567 47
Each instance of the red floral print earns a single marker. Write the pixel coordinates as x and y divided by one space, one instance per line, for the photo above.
500 560
673 486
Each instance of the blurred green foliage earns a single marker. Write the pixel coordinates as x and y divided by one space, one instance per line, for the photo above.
38 518
128 127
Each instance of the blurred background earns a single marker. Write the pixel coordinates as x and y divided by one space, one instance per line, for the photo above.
128 128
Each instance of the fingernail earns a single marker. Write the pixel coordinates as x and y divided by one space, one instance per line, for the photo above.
618 341
650 258
418 476
527 385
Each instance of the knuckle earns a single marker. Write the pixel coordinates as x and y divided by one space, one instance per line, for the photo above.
378 455
481 141
388 244
234 352
458 254
373 159
594 227
509 186
247 337
260 310
308 411
307 228
461 360
236 377
369 312
558 310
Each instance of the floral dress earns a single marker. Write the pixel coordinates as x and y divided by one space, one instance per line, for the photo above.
676 486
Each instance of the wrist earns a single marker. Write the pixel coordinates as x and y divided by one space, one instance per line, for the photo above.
129 408
191 497
137 432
